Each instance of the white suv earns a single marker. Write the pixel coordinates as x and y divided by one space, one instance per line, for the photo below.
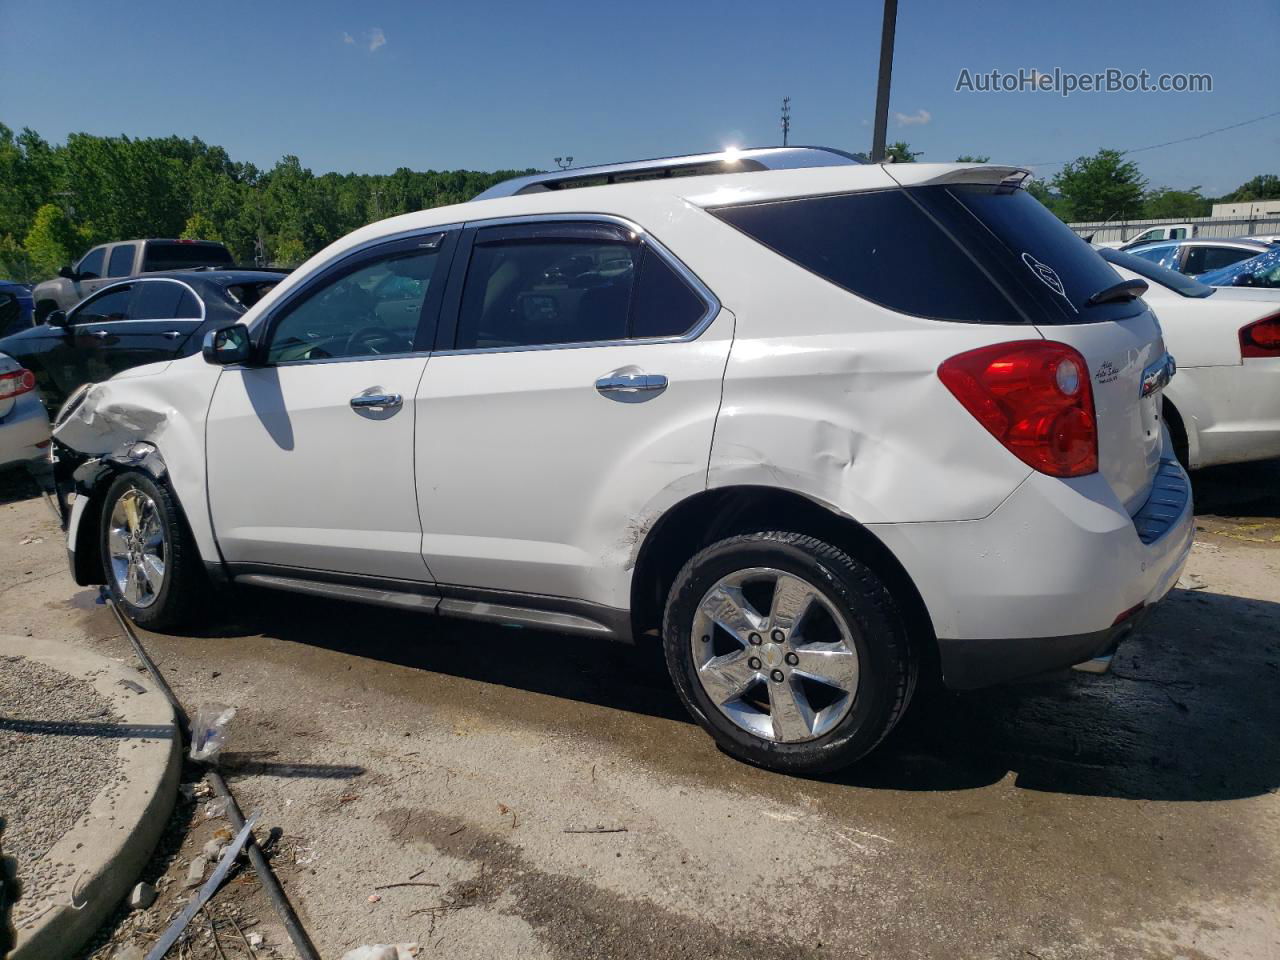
814 423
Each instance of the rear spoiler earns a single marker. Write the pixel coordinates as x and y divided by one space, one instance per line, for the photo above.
919 174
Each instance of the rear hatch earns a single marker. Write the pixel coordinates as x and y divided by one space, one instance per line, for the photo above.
1060 284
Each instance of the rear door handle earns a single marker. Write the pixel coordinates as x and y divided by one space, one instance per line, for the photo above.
100 334
631 387
376 401
172 334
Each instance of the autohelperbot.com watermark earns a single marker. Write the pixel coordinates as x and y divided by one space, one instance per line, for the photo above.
1065 82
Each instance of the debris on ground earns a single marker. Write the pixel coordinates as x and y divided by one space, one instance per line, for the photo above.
209 730
195 871
383 951
142 896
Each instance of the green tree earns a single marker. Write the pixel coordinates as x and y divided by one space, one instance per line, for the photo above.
1165 203
200 227
970 158
52 241
15 262
1101 187
900 152
1263 187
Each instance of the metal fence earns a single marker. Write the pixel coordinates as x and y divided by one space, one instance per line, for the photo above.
1205 227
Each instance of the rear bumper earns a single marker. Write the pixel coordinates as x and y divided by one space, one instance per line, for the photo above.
22 430
1040 584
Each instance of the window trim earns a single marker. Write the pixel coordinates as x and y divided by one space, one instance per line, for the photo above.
133 282
447 329
347 262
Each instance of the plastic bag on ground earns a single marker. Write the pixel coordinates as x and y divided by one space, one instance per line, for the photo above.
209 730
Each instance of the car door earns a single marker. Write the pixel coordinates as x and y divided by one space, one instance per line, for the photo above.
310 448
91 273
85 353
162 314
579 387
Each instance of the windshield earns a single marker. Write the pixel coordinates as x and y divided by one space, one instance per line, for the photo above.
1260 271
1144 267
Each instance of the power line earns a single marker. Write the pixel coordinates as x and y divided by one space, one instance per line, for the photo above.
1167 143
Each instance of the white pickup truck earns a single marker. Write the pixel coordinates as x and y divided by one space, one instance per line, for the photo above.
1171 231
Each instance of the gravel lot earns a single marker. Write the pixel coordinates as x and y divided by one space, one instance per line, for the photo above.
48 773
1133 815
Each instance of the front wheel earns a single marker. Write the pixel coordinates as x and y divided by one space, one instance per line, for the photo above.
147 553
788 651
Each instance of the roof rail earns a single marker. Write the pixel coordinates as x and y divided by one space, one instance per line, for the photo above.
727 161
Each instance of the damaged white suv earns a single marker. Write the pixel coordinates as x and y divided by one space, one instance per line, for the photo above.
818 425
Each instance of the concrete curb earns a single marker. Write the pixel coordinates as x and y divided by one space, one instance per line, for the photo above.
110 844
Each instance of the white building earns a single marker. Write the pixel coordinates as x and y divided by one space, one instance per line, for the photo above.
1249 209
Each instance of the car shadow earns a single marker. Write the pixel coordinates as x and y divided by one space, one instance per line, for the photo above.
1238 490
1190 711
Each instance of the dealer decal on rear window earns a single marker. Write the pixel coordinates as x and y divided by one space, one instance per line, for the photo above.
1049 277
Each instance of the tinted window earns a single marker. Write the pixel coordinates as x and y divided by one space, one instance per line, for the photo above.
546 291
180 256
372 309
247 294
1143 267
112 305
90 268
1165 254
880 246
663 305
121 263
160 300
1260 271
1200 259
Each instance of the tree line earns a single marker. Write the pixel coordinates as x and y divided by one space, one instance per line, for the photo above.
58 200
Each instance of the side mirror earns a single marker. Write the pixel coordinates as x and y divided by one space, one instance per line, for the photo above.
228 345
58 318
68 274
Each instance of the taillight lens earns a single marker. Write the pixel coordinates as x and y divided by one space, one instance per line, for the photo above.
1034 397
1261 338
15 383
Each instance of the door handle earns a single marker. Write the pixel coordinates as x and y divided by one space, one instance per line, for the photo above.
100 334
631 387
376 401
172 334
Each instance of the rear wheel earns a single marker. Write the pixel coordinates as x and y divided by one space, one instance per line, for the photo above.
147 553
788 651
1177 433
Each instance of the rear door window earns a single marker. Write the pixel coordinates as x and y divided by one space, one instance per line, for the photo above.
161 300
1200 259
121 262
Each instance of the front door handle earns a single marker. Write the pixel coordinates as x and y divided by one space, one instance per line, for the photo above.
376 401
631 387
172 334
100 334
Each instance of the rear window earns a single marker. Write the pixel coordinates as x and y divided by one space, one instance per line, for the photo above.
247 294
973 254
180 256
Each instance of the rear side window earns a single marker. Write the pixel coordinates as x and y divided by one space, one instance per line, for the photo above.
663 305
121 262
182 256
974 254
1200 259
158 300
880 246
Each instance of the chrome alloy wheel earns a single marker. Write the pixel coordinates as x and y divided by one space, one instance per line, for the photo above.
774 655
135 542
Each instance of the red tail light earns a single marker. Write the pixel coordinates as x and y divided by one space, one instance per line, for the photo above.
1261 338
16 383
1034 397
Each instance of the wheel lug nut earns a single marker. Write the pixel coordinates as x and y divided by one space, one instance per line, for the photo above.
754 663
755 639
706 639
777 676
778 636
792 659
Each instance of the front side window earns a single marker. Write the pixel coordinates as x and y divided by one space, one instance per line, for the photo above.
121 262
90 268
106 307
370 309
539 290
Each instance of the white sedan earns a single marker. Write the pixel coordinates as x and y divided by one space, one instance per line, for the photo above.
24 424
1224 404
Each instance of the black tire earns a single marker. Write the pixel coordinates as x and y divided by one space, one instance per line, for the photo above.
1178 434
887 660
176 601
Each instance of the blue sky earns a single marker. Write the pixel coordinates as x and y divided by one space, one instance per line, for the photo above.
375 85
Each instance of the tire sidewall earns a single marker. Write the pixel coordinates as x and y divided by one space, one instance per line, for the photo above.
874 702
171 526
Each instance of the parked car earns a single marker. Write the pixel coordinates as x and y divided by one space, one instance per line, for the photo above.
1194 257
24 424
157 316
16 307
1177 231
811 422
1224 405
112 261
1261 272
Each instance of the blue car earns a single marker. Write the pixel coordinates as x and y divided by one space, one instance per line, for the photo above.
17 309
1194 257
1260 271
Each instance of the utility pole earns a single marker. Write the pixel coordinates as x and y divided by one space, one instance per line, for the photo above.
887 31
564 163
786 119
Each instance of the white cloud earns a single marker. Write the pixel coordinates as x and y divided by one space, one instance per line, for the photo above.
376 38
919 118
347 38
